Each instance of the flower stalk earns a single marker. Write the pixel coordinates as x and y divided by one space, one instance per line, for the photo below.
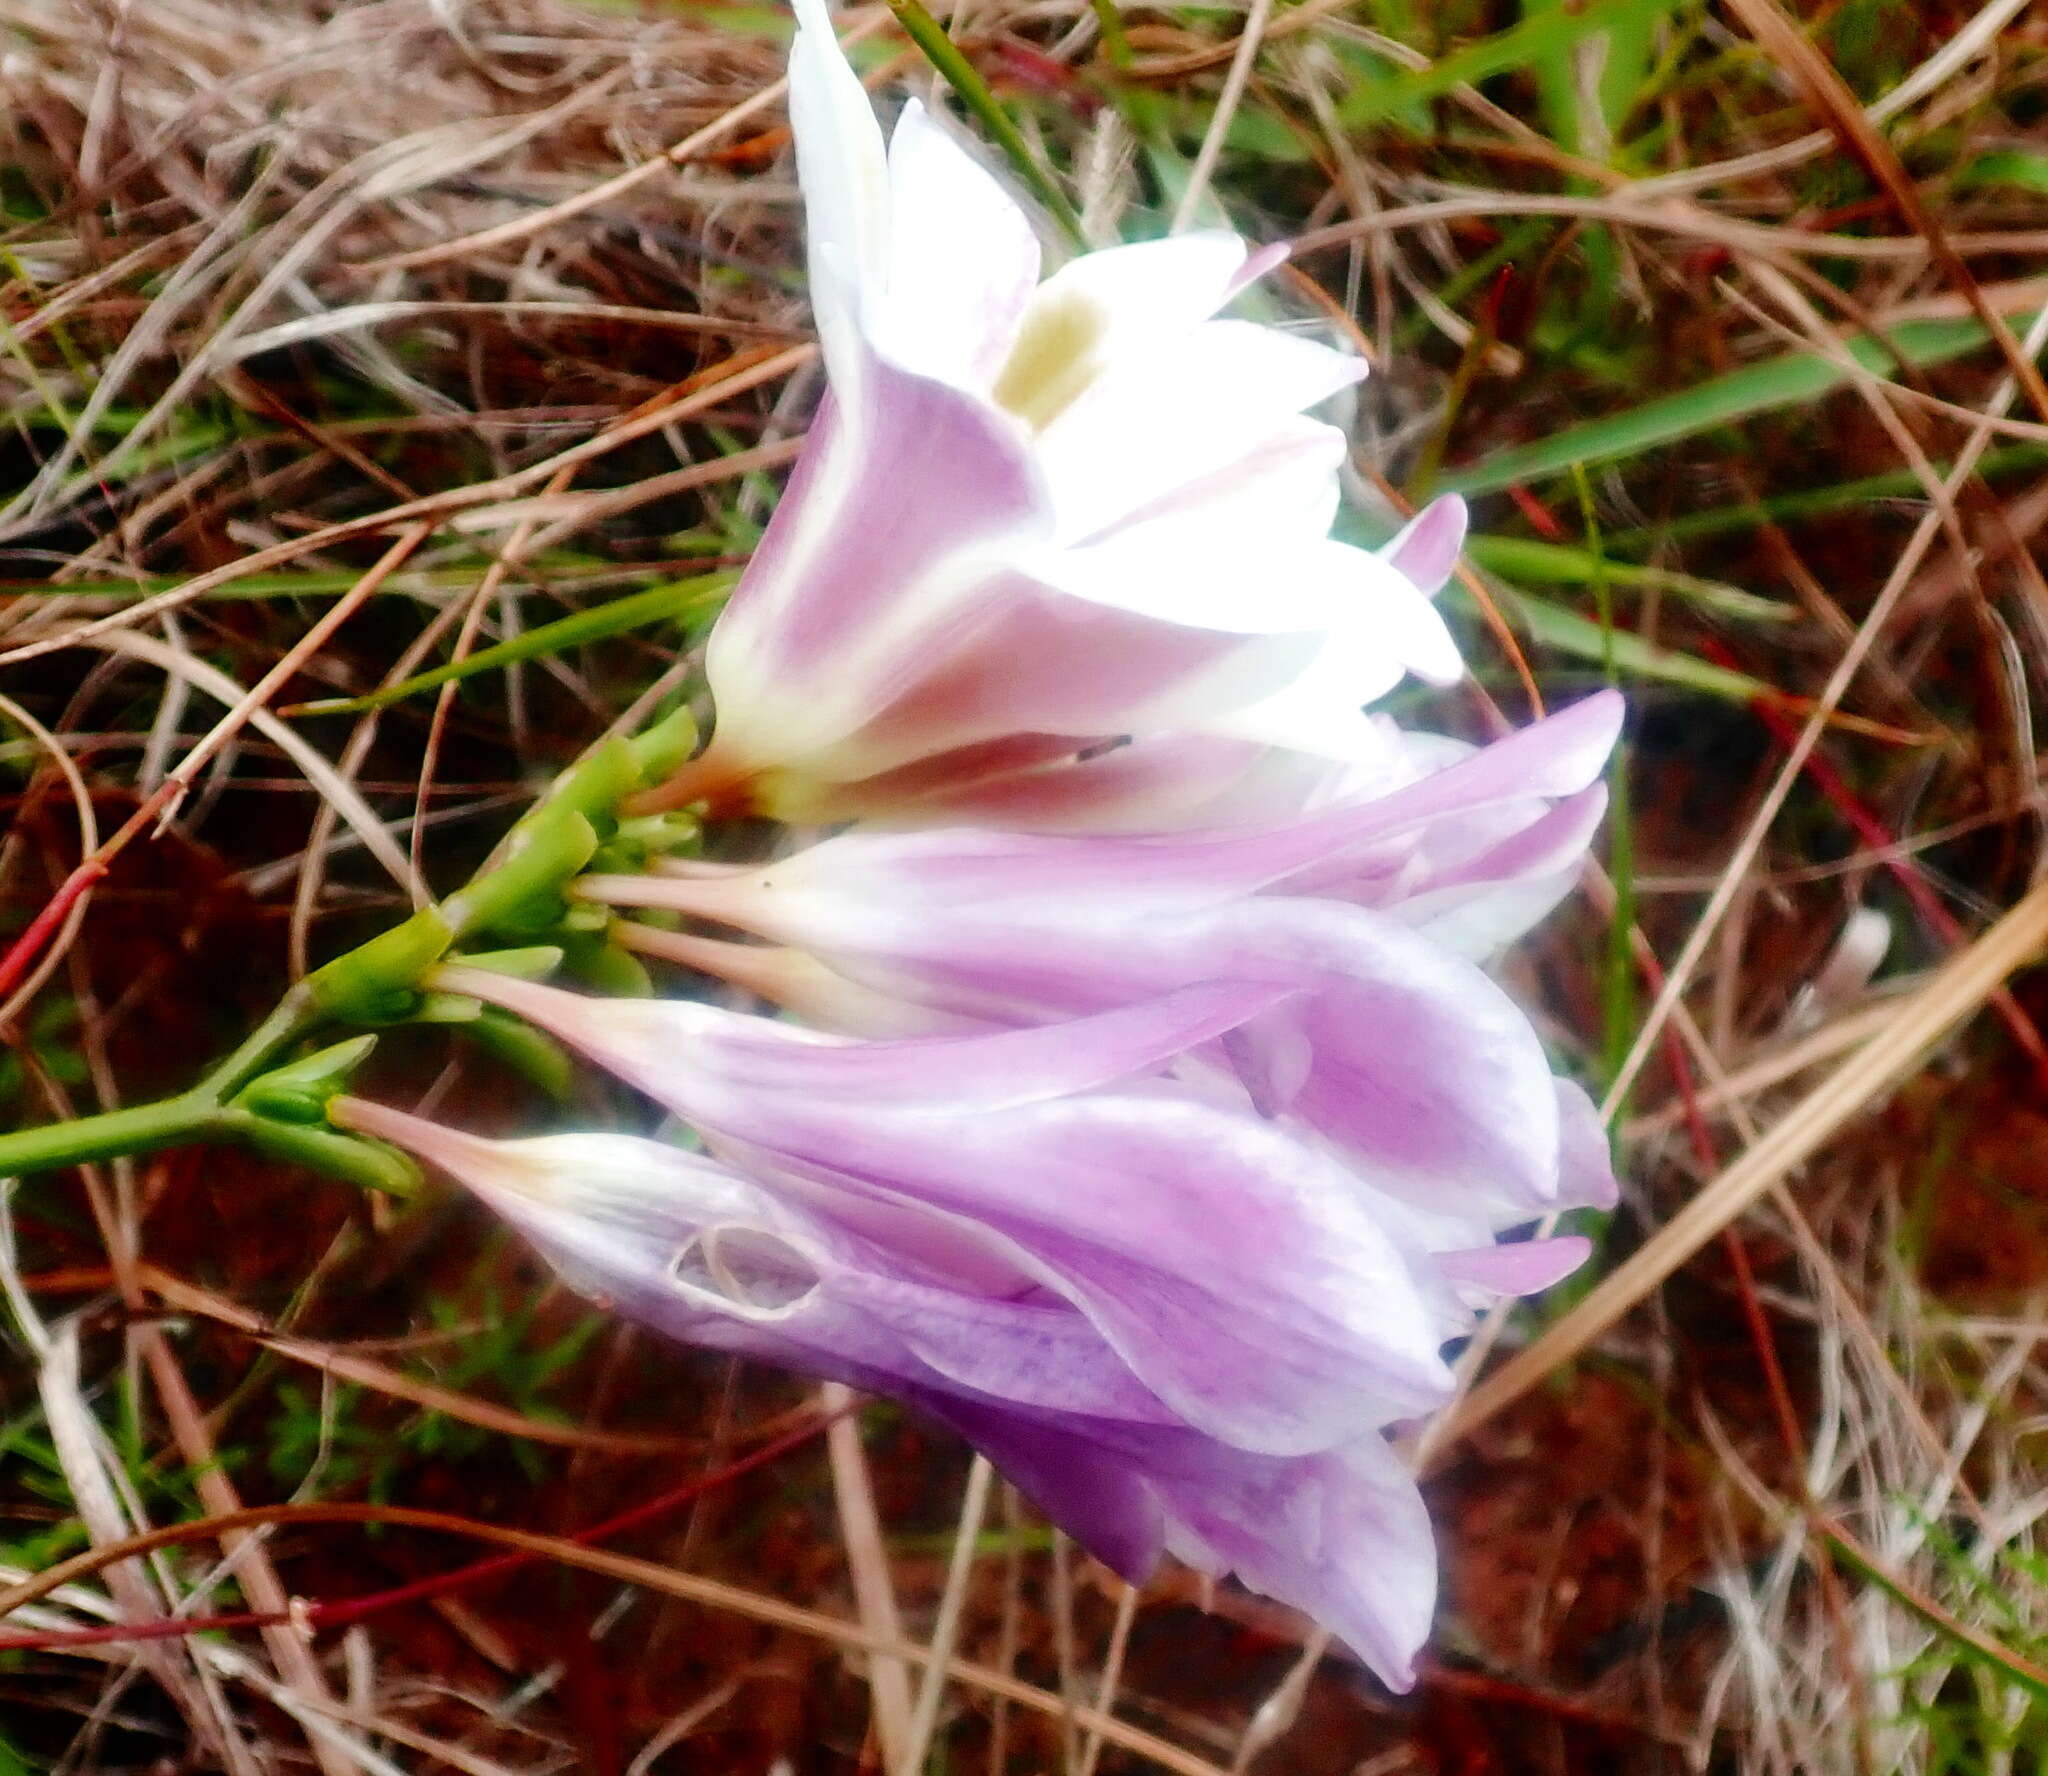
114 1134
254 1097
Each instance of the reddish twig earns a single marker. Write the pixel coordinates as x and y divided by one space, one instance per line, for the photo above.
341 1612
1873 832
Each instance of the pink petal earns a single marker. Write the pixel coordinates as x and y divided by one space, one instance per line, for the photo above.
1426 551
691 1056
857 578
1523 1267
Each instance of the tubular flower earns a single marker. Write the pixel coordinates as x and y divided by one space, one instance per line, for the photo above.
1034 518
1238 1270
1381 1038
965 1319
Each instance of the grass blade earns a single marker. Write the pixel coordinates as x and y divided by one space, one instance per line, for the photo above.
965 79
1781 382
615 618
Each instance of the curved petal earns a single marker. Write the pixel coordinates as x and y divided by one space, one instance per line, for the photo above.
681 1242
963 260
1177 408
1343 1537
1386 627
844 174
1099 306
1558 756
1093 1492
1585 1162
1483 904
1039 661
1235 1269
1405 1055
1232 1267
870 559
1225 551
1517 1267
1426 550
709 1064
1174 779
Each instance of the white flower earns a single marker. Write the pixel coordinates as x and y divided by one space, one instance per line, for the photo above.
1037 517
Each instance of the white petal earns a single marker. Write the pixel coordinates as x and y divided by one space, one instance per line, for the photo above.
1170 412
1221 552
962 259
1322 710
845 178
1394 613
1091 311
1387 628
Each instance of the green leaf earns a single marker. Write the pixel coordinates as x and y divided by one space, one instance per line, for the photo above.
1624 64
1542 35
656 604
2007 169
1632 656
1528 561
1993 465
1741 394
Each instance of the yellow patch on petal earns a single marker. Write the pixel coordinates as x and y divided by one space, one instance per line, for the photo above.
1058 353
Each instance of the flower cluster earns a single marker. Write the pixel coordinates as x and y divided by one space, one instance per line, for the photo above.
1143 1109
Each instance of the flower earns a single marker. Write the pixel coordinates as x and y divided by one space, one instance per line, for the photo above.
1239 1270
954 1319
1382 1038
1033 518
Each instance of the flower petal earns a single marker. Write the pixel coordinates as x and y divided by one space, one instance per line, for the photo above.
703 1061
1093 1492
1040 661
1405 1055
1098 307
1426 550
844 173
1235 1269
963 261
869 560
1384 628
1175 409
807 899
1221 552
1343 1537
1518 1267
1170 780
1480 906
1586 1163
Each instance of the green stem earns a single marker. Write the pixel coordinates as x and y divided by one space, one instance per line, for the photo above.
377 982
367 1164
110 1135
613 617
289 1020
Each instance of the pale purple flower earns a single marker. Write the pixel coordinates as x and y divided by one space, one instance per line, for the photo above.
1390 1045
946 1317
1240 1271
1034 517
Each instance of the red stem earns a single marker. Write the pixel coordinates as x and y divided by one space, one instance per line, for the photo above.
340 1612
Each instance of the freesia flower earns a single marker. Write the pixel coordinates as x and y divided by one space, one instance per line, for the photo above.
1383 1039
1239 1271
956 1318
1033 518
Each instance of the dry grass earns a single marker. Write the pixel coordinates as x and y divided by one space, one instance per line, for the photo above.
343 341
